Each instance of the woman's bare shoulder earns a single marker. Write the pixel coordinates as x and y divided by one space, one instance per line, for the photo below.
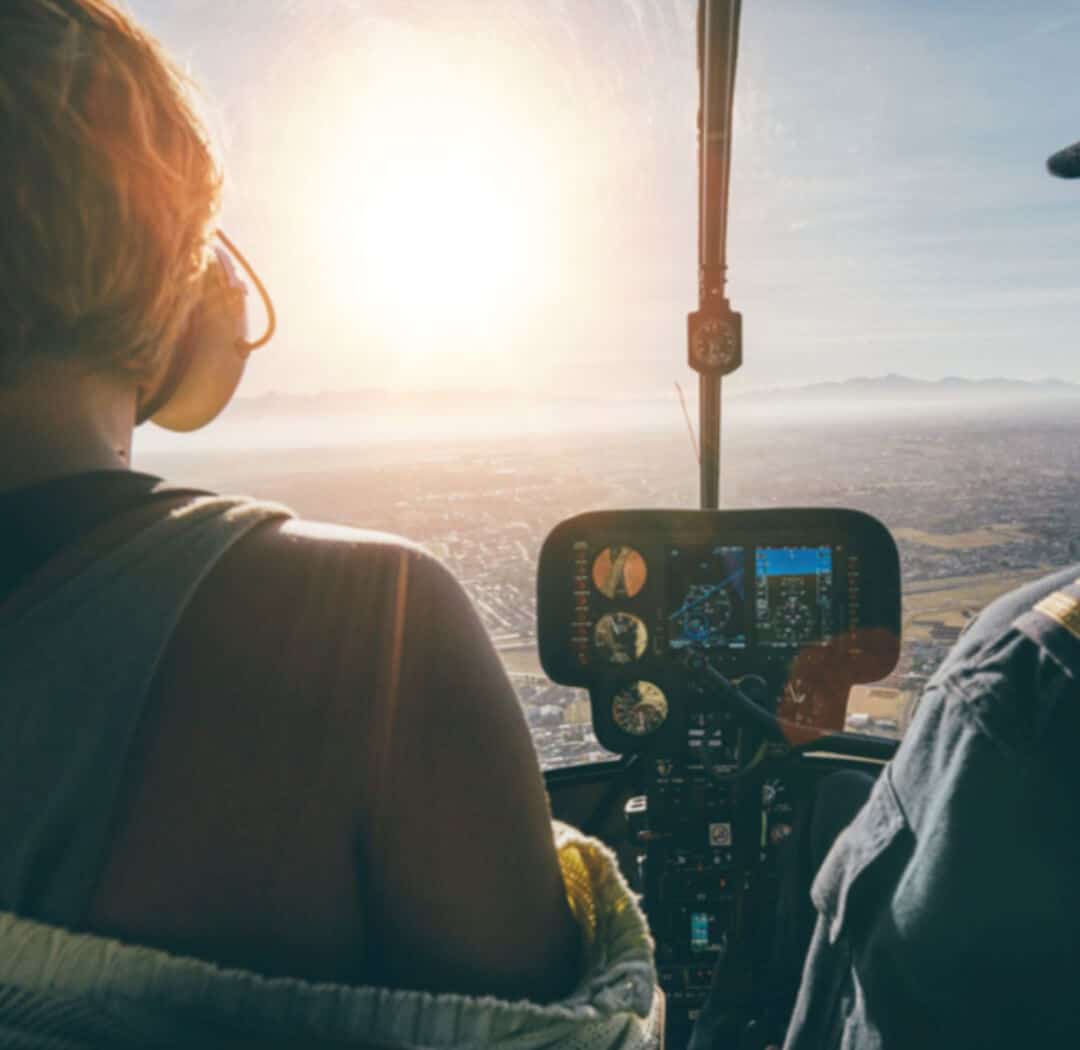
302 537
288 552
302 597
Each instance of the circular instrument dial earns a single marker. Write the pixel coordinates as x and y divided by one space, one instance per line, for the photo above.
714 343
619 572
640 708
621 637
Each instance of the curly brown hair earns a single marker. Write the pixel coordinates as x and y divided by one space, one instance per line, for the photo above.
109 187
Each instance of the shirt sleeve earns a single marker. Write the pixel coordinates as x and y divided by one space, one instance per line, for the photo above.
946 910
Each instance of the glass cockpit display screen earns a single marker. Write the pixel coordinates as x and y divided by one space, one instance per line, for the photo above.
707 607
793 599
713 599
649 598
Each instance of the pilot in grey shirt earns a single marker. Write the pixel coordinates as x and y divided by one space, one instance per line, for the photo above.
949 910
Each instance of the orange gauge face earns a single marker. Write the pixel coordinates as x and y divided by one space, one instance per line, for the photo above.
619 572
620 637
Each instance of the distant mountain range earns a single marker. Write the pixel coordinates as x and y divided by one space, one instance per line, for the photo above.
906 389
866 391
375 416
382 399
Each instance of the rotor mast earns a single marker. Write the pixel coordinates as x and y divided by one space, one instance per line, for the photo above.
714 329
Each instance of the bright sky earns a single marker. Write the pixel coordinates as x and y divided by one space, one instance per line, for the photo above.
491 193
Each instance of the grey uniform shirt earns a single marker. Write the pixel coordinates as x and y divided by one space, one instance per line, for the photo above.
949 910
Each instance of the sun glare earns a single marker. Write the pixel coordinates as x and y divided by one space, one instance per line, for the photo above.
454 238
438 201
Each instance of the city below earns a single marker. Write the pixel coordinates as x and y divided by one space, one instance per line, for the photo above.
976 506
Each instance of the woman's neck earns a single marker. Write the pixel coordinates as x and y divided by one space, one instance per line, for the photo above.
56 422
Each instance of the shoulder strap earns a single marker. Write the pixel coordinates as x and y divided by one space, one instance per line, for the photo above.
1054 623
92 545
79 647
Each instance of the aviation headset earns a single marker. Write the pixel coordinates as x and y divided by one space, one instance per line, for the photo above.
209 359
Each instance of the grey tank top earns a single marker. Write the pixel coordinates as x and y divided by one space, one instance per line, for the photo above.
76 663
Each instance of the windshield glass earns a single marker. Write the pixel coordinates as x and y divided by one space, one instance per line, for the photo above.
478 221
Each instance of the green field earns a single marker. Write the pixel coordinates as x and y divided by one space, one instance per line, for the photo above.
522 660
988 536
953 601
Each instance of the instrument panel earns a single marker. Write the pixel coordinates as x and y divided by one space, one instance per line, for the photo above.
709 641
792 606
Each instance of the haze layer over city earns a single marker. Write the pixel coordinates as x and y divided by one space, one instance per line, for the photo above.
482 498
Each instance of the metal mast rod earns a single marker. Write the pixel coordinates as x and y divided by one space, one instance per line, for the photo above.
718 35
709 413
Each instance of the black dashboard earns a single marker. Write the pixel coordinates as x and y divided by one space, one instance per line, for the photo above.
719 649
645 608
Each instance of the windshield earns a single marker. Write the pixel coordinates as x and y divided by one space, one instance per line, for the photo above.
478 221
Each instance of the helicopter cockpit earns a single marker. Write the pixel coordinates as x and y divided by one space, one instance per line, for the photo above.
694 667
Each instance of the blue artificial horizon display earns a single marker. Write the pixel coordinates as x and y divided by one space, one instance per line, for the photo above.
794 561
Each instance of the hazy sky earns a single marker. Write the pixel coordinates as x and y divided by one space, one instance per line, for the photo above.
503 192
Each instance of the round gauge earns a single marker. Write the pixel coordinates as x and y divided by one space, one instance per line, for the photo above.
639 709
621 637
714 342
619 572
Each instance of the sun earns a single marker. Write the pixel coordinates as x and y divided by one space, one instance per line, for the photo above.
453 236
437 201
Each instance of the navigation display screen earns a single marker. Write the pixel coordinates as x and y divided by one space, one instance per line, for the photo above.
707 598
794 596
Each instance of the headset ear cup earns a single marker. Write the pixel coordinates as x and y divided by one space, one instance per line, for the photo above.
210 358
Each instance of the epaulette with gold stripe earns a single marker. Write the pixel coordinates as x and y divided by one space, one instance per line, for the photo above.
1054 623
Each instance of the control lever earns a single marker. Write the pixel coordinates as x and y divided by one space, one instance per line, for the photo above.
761 718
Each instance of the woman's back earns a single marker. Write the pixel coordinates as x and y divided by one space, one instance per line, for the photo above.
268 812
329 774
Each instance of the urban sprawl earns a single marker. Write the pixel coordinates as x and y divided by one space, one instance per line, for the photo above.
975 508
